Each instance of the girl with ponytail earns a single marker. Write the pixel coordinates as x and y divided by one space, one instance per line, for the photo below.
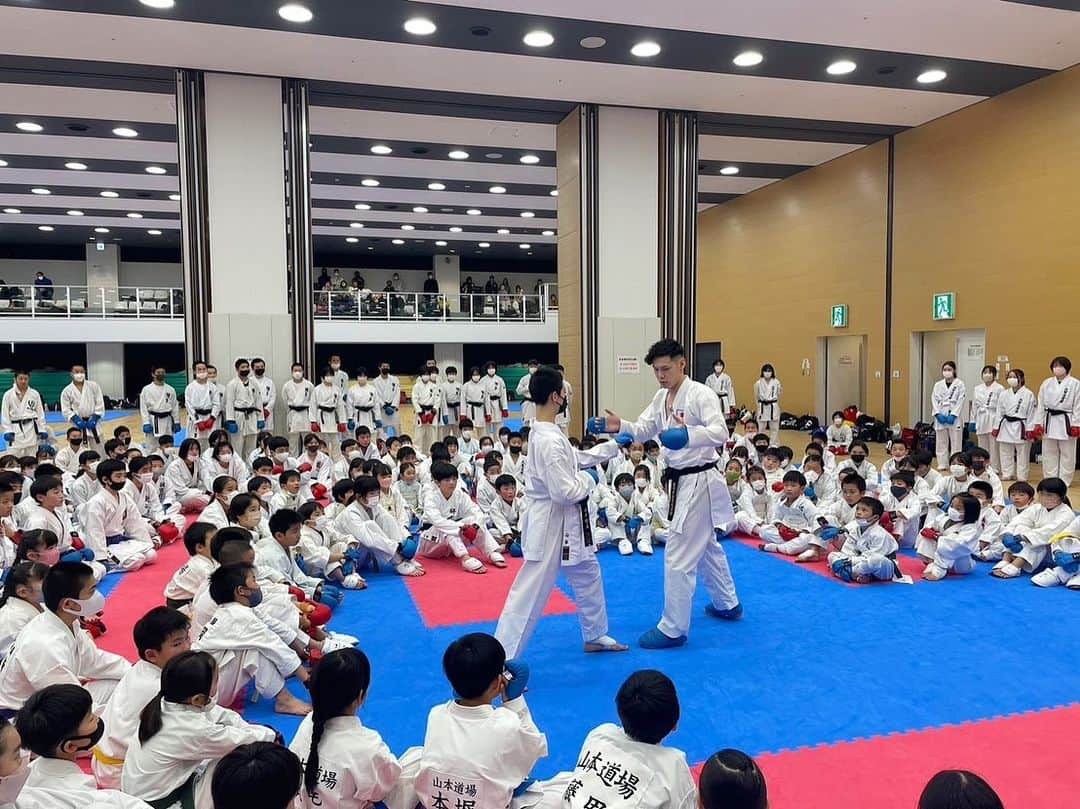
182 735
347 766
21 600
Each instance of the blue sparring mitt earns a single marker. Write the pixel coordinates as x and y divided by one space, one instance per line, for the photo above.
446 421
231 427
331 596
829 532
1069 562
43 435
378 424
809 492
950 419
674 438
78 422
515 549
941 418
593 474
633 525
624 439
176 427
146 428
414 524
409 547
261 424
94 421
9 437
351 424
601 517
841 568
519 670
597 425
1012 542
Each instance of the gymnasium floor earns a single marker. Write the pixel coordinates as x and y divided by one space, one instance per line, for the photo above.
849 696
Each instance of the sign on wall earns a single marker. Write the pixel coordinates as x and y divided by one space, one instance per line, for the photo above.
838 319
625 364
944 305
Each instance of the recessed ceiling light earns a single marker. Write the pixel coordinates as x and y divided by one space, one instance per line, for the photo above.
369 182
40 191
109 194
554 192
484 244
497 189
493 155
748 59
381 148
294 12
436 187
421 26
46 228
503 231
593 42
29 126
3 163
158 3
931 76
527 214
538 39
356 224
101 230
529 159
134 215
646 49
440 244
474 212
351 239
155 170
397 241
362 206
125 132
174 197
458 154
455 229
74 213
419 209
154 232
728 170
371 248
12 210
525 246
408 227
841 68
75 166
548 233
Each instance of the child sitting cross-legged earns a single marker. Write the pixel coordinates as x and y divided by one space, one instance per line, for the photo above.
869 551
323 552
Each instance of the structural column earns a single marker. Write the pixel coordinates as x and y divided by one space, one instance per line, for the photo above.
624 204
298 202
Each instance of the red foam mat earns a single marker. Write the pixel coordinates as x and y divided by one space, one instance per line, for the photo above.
908 565
444 599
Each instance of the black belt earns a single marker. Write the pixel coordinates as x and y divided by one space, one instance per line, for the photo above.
495 398
165 414
21 422
453 405
1049 413
475 404
326 409
767 401
367 409
299 408
247 409
427 409
671 477
200 412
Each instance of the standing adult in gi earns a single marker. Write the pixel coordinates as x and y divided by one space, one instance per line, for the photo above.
528 407
22 416
243 408
720 383
268 389
388 387
425 402
202 402
767 390
363 405
947 402
450 403
495 388
1058 420
83 405
159 408
685 416
297 396
555 529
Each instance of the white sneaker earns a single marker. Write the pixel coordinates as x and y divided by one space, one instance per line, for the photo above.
343 638
1046 578
644 546
353 582
332 644
473 565
626 547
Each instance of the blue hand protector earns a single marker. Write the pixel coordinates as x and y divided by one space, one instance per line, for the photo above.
597 425
146 428
1070 562
950 419
414 524
176 427
519 669
261 424
94 420
87 554
409 547
829 532
1012 542
841 568
446 421
593 474
515 549
71 556
378 424
602 518
633 525
624 439
43 435
941 418
78 422
231 427
351 424
358 556
674 438
9 437
809 492
331 596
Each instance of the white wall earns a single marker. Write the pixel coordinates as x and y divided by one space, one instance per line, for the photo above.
146 274
62 273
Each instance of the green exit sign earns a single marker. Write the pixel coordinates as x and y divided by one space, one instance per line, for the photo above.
838 318
944 306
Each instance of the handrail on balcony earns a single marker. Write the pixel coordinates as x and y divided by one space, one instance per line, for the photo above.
365 305
95 301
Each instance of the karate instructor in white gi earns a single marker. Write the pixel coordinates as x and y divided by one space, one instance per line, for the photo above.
555 530
685 417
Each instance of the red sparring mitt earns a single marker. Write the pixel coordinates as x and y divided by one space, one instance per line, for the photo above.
839 450
1037 432
930 533
77 543
730 445
468 532
995 433
1074 432
487 419
266 413
787 534
277 470
168 532
341 428
206 424
318 491
319 616
315 427
297 593
778 486
506 414
304 467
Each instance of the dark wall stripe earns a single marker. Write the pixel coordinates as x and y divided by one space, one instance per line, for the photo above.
890 196
194 210
590 255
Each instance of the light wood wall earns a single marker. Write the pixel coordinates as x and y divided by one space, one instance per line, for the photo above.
568 180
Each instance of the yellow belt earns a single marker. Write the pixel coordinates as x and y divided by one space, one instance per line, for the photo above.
107 760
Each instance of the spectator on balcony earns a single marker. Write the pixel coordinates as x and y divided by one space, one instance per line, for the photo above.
491 286
397 285
358 280
44 286
322 280
538 286
504 287
468 289
337 280
431 295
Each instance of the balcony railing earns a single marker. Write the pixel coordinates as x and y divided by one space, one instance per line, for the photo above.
369 306
93 302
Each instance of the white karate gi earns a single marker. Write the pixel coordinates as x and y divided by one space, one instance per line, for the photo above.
269 398
984 412
365 406
1015 418
871 551
747 520
447 516
149 506
476 406
84 403
799 515
190 577
908 511
1036 526
356 767
236 469
495 390
1058 413
276 563
505 518
701 504
556 536
67 457
190 743
24 415
202 401
489 750
283 499
528 406
954 548
450 411
48 652
947 399
297 398
116 533
826 488
425 402
328 412
14 615
1053 575
767 395
139 685
994 551
562 420
389 389
184 486
839 437
245 649
990 476
315 548
368 529
724 388
515 466
160 410
57 783
243 406
59 522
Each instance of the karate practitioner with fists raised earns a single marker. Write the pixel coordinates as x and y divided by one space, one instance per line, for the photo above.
685 417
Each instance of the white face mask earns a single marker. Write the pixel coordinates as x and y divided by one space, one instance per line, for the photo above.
265 496
954 515
838 422
192 458
78 377
231 495
329 381
281 457
298 376
811 478
321 522
87 606
467 435
372 500
353 454
146 477
491 372
758 485
425 377
718 369
988 378
947 374
11 785
451 377
93 467
641 483
225 458
476 379
958 471
1059 371
335 366
1013 382
626 491
863 524
767 374
492 479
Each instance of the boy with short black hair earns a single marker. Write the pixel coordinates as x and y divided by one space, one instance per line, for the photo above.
505 514
904 507
793 519
454 520
869 551
189 578
275 559
112 525
990 525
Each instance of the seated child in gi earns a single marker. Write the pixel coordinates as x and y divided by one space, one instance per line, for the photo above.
182 733
869 551
859 461
365 523
323 553
990 525
654 501
224 489
191 576
455 522
1021 497
904 507
143 491
629 518
21 601
504 515
1063 562
345 763
747 520
275 559
949 543
290 493
468 740
793 520
1027 538
838 435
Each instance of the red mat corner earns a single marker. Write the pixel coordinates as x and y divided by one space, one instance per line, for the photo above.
908 565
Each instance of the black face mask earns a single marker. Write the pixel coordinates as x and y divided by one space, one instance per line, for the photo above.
75 442
384 371
93 738
313 449
515 450
117 487
260 371
858 459
761 447
978 466
243 374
